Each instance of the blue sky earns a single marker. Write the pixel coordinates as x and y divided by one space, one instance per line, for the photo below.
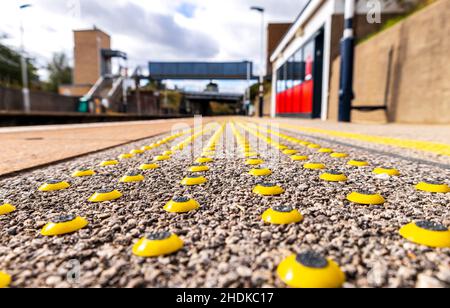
148 30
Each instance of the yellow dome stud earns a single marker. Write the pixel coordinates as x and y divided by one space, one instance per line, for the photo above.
339 155
254 162
299 158
108 163
314 146
137 152
386 170
157 244
199 168
132 177
334 176
161 158
433 187
147 148
314 166
64 225
310 270
260 172
83 172
282 215
204 160
6 209
125 156
5 280
427 233
193 180
290 152
149 167
167 153
325 151
268 189
366 198
358 163
54 185
104 195
251 154
181 205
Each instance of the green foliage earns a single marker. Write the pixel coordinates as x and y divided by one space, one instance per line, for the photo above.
395 20
10 69
60 72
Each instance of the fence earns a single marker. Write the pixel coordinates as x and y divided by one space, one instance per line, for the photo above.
12 100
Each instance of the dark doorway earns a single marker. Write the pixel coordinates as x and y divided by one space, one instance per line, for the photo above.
318 74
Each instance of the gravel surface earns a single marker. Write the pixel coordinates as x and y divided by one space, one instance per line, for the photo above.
226 242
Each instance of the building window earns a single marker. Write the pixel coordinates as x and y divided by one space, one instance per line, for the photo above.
308 58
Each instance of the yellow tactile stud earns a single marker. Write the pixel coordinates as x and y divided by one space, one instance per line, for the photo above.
333 176
137 152
54 185
199 168
260 172
282 215
5 280
158 244
6 209
204 160
167 153
310 270
64 225
162 158
358 163
325 150
339 155
83 172
427 233
314 146
290 152
386 170
181 205
125 156
282 147
251 154
433 187
268 189
366 198
149 167
147 148
132 177
104 195
193 180
254 162
314 166
108 163
299 157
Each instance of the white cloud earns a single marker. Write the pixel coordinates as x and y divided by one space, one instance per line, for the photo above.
148 29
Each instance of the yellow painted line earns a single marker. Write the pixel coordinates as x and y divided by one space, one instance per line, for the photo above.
426 146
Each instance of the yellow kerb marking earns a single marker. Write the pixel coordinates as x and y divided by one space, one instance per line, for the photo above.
426 146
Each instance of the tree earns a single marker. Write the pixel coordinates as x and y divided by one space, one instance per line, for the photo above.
60 72
10 69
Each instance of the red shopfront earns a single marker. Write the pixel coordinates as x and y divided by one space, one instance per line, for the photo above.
299 81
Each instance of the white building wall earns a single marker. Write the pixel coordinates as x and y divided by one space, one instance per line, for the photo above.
316 16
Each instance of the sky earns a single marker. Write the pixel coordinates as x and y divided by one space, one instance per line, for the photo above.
148 30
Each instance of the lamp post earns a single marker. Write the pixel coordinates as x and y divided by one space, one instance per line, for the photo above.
346 94
23 62
261 76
